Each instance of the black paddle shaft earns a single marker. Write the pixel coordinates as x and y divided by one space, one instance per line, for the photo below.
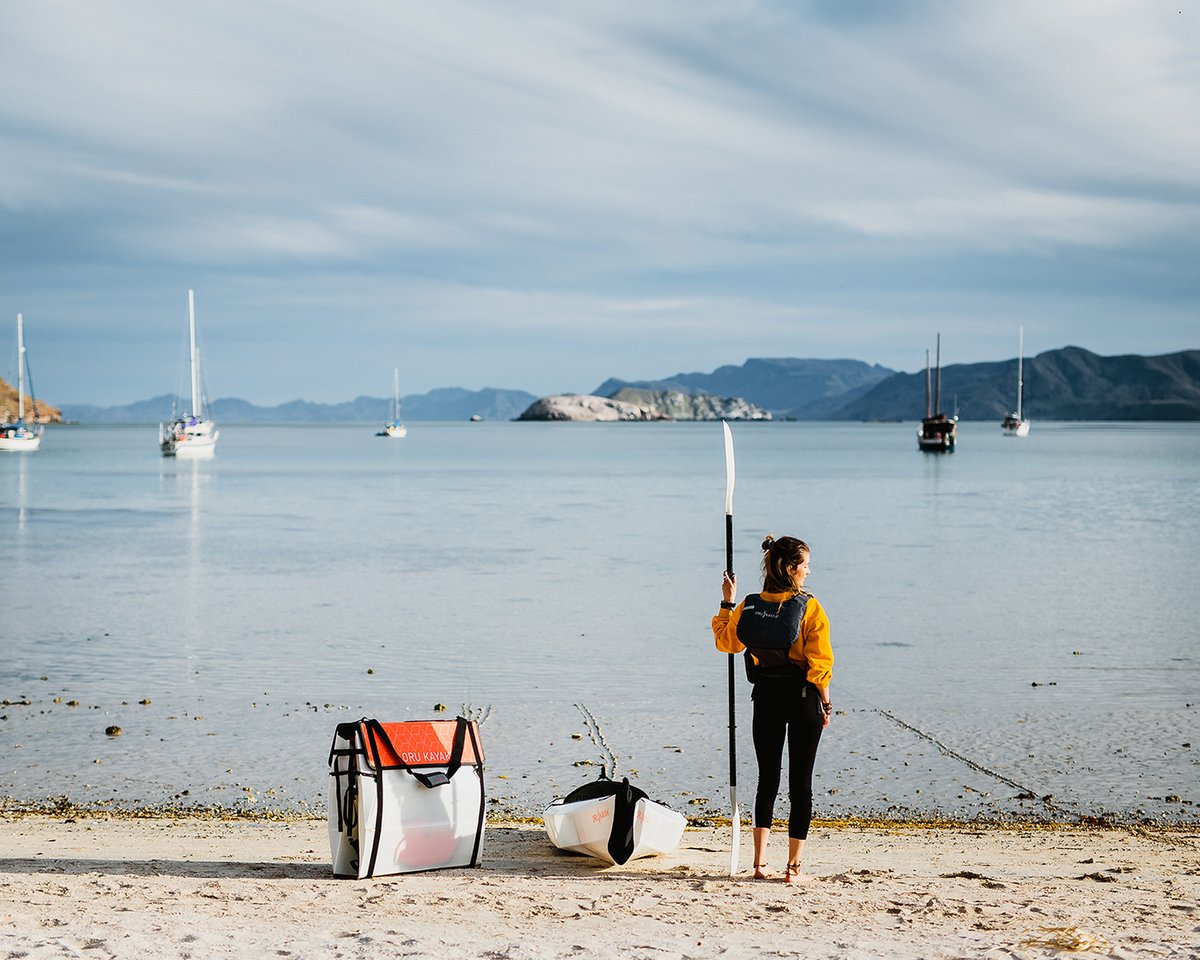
732 672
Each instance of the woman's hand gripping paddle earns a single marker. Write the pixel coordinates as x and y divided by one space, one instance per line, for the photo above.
735 813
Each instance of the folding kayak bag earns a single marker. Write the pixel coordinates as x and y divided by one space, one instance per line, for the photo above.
405 796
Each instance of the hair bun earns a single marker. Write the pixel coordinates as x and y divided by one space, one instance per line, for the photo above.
766 544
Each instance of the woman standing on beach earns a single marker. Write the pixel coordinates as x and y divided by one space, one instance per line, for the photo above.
785 634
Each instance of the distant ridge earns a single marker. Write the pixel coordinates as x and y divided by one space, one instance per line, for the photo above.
1066 384
788 387
447 403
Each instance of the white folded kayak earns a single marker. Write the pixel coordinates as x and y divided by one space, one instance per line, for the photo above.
613 821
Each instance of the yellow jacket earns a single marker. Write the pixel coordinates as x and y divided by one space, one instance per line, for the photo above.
812 651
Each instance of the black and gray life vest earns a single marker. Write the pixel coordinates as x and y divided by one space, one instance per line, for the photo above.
768 629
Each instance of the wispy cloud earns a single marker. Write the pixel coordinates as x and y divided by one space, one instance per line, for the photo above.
505 191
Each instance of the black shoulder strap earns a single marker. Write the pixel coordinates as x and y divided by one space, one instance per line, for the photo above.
470 728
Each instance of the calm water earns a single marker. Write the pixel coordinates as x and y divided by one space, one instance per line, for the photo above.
1015 620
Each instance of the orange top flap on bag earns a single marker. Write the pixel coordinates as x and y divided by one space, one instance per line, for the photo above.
420 743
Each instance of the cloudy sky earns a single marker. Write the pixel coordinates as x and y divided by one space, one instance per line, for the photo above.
539 194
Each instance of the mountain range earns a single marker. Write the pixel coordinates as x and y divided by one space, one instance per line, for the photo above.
799 389
1066 384
1070 383
446 403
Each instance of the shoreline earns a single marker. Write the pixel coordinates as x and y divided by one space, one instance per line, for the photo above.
879 765
11 809
151 887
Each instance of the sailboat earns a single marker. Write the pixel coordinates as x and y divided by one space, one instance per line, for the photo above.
394 428
938 432
19 435
192 435
1015 425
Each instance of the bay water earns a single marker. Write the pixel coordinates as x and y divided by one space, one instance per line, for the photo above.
1014 624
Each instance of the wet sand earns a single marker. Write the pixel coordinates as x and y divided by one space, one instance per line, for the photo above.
151 887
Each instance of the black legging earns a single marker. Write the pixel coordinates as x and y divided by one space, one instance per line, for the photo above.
780 711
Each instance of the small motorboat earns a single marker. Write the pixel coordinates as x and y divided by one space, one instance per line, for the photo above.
613 821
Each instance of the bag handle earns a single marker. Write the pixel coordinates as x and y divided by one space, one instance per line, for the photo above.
344 731
438 778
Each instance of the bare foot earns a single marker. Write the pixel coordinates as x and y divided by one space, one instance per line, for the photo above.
794 875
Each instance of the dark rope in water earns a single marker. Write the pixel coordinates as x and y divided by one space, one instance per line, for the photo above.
987 771
1133 828
597 737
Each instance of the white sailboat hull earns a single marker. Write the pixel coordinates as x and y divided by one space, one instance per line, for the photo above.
189 441
1021 429
194 449
22 440
586 827
396 430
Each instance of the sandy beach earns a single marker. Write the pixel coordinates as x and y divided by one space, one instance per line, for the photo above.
118 886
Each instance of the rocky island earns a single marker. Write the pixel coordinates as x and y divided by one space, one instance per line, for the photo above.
631 403
8 407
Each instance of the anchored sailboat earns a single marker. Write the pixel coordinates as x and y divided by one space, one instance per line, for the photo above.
19 435
193 434
1015 425
394 428
938 433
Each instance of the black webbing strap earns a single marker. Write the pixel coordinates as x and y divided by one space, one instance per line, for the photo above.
344 731
348 807
620 837
378 803
347 810
482 796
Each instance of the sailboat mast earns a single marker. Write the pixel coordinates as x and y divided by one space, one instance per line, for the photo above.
20 369
928 409
195 362
396 393
1020 356
937 394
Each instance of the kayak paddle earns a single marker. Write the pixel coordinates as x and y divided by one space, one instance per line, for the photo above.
735 813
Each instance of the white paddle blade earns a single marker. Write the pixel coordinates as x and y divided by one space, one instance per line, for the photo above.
735 847
728 469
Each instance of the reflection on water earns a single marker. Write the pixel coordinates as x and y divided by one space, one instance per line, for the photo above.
257 598
22 471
